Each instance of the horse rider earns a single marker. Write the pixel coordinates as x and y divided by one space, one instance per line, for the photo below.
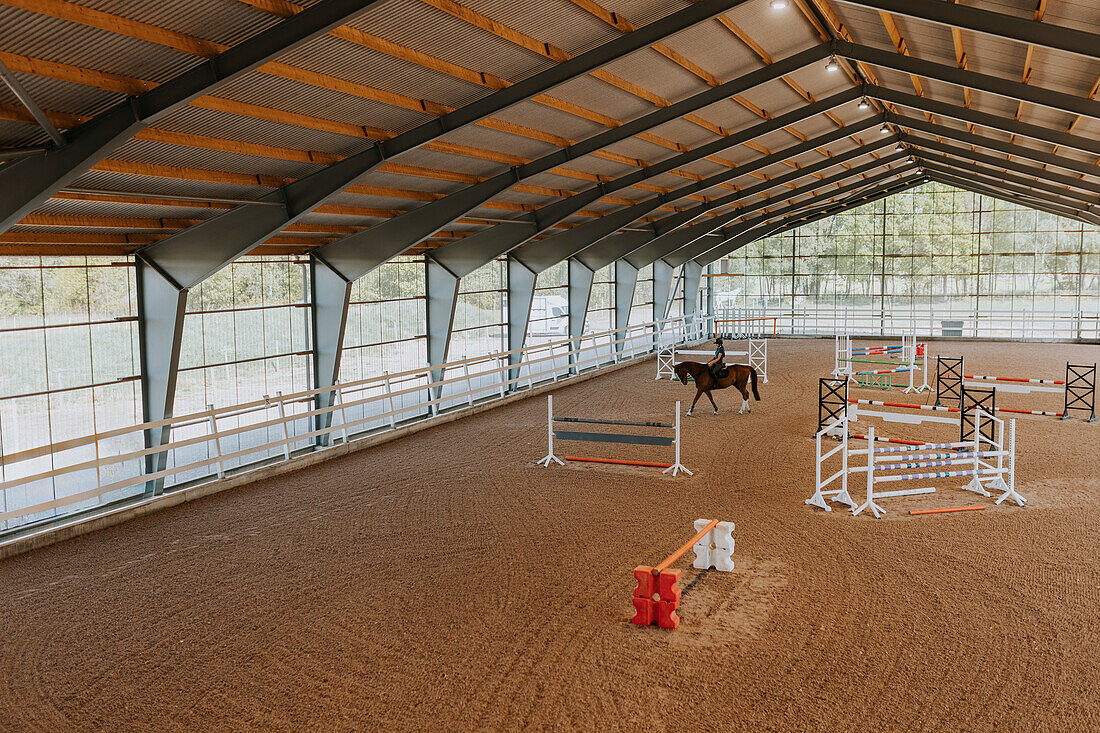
715 364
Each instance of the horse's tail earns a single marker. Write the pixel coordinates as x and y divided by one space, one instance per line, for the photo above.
752 375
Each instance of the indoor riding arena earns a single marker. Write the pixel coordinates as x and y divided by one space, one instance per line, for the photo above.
482 365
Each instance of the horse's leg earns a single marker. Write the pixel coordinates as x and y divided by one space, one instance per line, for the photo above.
698 394
712 402
742 388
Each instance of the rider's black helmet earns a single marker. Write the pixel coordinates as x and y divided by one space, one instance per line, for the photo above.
718 340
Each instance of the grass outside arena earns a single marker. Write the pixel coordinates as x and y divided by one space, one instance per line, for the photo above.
445 581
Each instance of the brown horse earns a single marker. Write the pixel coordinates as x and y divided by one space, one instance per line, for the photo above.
738 376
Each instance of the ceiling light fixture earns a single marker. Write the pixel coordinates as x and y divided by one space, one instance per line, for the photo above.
864 104
833 64
899 147
778 4
885 129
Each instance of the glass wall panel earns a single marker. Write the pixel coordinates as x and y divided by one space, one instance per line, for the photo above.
386 332
70 324
933 259
246 337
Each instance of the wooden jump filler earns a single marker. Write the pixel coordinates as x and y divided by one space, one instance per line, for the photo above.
657 592
628 438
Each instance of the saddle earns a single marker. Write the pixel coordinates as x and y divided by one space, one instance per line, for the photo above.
719 373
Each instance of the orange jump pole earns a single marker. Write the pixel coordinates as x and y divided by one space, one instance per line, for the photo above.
619 462
657 593
976 507
686 546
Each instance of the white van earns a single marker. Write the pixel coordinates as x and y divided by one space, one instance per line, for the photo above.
549 316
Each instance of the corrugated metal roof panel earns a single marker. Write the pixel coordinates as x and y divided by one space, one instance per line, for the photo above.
779 32
558 22
458 164
1080 14
641 150
599 166
279 93
40 36
552 180
596 94
565 124
773 96
644 12
147 151
444 36
508 143
229 126
714 49
84 230
63 96
390 180
657 74
334 220
79 207
358 64
212 20
126 183
728 114
20 134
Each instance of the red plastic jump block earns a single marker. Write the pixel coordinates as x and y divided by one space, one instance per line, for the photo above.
662 610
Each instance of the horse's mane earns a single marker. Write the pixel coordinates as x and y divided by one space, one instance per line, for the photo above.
691 367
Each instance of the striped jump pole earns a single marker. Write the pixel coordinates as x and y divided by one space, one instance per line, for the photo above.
1022 380
993 468
904 405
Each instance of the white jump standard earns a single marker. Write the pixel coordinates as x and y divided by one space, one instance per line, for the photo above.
906 353
882 462
633 438
757 358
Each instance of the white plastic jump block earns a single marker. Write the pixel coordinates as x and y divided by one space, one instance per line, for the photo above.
715 549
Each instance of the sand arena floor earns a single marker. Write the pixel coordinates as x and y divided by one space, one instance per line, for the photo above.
444 580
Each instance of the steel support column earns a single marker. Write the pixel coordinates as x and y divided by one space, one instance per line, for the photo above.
580 291
693 275
626 280
662 284
442 294
330 294
161 308
521 291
